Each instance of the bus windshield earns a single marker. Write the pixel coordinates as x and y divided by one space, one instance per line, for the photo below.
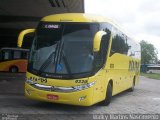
62 49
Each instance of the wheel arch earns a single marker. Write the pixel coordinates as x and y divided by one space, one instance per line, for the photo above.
110 81
134 79
13 66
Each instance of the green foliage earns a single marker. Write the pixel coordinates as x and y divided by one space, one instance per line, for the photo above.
148 53
151 75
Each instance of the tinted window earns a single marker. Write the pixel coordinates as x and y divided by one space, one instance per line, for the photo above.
102 54
7 55
0 55
17 55
63 48
134 49
119 43
24 55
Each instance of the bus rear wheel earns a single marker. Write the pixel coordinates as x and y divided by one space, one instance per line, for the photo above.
13 69
132 87
108 95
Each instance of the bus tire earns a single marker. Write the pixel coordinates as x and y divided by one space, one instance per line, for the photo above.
132 87
13 69
108 95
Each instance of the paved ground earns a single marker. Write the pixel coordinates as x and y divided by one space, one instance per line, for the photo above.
144 100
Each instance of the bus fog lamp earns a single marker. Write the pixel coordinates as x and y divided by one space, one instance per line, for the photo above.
82 98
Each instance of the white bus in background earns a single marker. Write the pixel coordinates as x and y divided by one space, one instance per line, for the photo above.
153 69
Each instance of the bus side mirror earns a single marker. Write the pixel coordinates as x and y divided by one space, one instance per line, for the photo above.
97 40
22 34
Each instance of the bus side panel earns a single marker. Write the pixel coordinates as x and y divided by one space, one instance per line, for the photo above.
118 71
20 64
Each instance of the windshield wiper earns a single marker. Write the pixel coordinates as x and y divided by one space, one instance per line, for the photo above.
48 61
58 54
66 64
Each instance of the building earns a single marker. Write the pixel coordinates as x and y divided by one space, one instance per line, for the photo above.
16 15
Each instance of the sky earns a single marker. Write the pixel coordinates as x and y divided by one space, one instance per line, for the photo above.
140 18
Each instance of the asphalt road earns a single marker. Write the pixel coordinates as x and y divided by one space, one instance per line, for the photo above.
144 100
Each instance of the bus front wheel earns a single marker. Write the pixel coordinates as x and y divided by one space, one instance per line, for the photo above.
108 95
13 69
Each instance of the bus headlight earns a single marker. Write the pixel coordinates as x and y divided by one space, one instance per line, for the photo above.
84 86
29 81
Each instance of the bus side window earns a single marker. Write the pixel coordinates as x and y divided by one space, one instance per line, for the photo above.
136 66
129 65
1 57
105 44
7 55
133 65
102 54
17 55
119 43
115 47
24 55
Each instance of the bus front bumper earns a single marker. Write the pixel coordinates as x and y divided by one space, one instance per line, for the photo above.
82 98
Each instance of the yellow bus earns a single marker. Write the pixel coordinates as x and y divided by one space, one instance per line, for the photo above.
13 59
80 59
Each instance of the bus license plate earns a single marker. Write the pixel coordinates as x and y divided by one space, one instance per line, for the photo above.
52 97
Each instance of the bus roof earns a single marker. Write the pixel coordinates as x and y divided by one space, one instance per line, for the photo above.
18 49
81 17
74 17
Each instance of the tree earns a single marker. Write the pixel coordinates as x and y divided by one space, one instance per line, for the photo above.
148 53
